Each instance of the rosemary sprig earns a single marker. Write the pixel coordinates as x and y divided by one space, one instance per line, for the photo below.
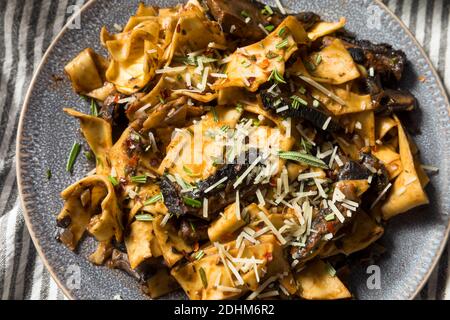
303 158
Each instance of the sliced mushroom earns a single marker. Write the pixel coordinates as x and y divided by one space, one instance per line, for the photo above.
247 17
315 115
396 101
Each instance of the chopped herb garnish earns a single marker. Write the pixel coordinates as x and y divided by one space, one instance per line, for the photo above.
113 180
267 10
256 122
192 202
282 44
297 101
153 199
269 27
187 170
216 162
330 217
192 226
271 55
239 107
139 179
281 32
161 99
331 271
189 60
144 217
278 102
303 158
76 147
246 63
206 59
94 110
215 115
310 66
203 277
302 90
276 76
179 77
200 254
318 59
245 14
88 155
306 145
225 128
49 174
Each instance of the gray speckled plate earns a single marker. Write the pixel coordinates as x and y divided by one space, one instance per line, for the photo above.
414 240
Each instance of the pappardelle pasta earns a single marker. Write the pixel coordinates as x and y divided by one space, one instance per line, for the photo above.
240 151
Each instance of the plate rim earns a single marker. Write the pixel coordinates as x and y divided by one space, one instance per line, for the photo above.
44 59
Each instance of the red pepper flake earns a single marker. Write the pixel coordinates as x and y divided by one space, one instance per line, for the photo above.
422 78
268 255
264 64
196 246
330 227
273 182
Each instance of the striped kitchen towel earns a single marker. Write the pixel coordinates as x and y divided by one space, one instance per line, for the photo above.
27 28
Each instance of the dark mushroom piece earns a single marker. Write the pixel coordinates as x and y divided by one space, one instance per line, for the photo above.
367 166
230 13
353 170
315 241
119 260
396 101
218 198
317 116
173 198
115 113
385 61
380 179
193 230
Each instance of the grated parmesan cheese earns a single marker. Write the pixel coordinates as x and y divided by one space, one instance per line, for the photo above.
188 80
280 6
205 207
217 46
165 219
170 70
380 196
310 175
260 197
272 227
327 122
215 185
430 168
218 75
228 289
336 211
263 29
281 109
238 206
246 172
255 293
